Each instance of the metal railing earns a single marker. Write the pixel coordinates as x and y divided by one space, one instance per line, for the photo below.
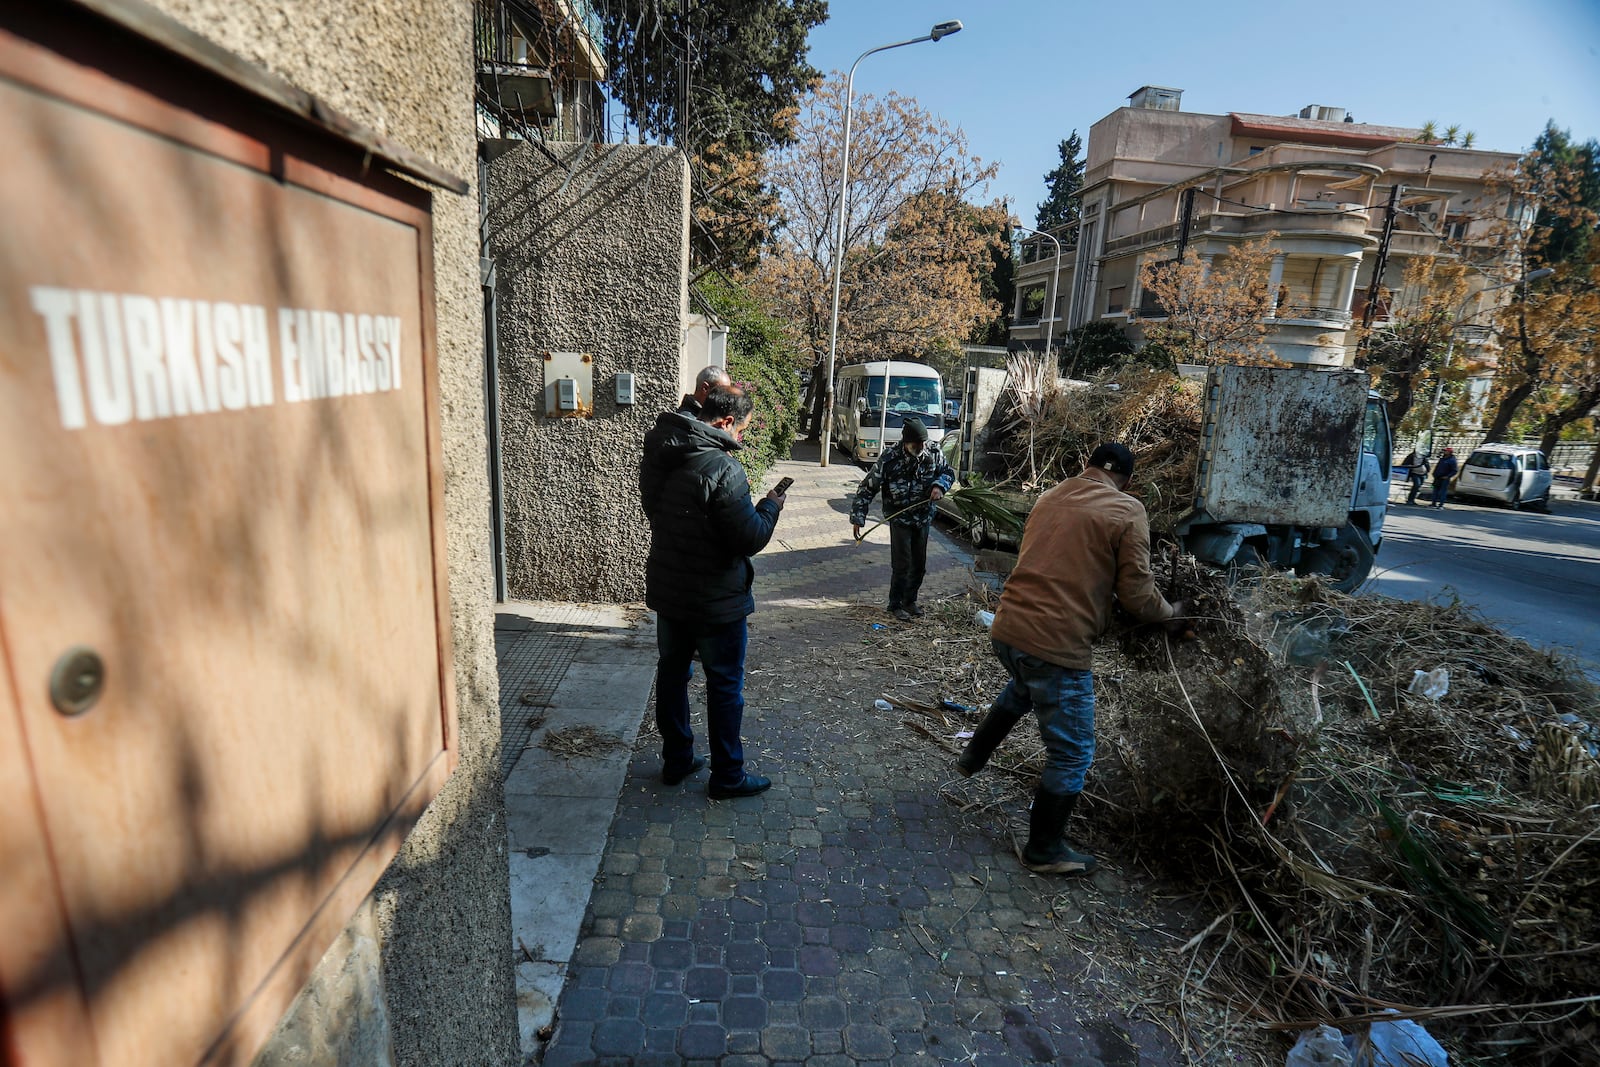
1313 311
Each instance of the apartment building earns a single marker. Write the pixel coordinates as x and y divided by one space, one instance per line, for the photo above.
1319 182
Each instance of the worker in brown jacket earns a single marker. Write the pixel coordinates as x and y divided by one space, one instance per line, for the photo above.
1086 540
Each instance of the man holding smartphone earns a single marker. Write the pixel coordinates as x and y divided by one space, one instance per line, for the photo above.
698 580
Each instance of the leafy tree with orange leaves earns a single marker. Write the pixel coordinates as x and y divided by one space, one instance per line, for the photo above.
917 250
1540 215
1212 311
1419 340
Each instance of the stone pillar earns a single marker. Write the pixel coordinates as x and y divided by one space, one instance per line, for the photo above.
1347 284
1275 281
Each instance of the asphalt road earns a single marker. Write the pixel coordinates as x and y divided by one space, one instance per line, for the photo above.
1536 576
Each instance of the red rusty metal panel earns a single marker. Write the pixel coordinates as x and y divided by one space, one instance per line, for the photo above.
219 449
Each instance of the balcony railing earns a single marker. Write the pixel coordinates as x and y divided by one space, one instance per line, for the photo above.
1317 313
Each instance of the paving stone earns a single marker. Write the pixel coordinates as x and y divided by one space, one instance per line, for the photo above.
641 928
702 1041
785 1043
865 1042
782 985
744 1013
705 983
744 1042
900 1014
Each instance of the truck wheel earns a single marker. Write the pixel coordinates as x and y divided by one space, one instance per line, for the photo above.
1347 560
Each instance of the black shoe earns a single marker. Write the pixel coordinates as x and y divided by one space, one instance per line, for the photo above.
749 786
1046 852
669 778
902 614
984 740
915 611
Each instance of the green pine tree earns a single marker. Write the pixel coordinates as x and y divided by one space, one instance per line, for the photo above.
1065 184
747 67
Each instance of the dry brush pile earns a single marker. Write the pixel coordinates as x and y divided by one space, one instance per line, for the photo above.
1361 848
1043 432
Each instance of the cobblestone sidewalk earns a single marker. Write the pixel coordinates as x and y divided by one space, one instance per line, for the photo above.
851 915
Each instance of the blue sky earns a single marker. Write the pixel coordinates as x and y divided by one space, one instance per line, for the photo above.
1022 74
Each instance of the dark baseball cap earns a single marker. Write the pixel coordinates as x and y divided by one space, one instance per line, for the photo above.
1114 458
913 430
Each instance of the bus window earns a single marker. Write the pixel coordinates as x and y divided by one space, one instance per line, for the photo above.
908 396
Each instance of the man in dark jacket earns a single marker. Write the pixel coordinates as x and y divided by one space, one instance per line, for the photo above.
1443 472
913 477
703 531
708 379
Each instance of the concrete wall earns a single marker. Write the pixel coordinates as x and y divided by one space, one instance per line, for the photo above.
423 972
591 255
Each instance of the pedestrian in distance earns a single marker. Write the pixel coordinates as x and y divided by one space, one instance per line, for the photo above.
1086 540
913 478
699 579
1443 473
708 379
1416 467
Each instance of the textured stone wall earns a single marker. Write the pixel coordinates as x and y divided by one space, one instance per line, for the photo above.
439 923
591 255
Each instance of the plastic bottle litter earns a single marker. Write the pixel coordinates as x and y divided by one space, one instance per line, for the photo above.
879 626
883 705
1432 684
1322 1047
985 619
951 705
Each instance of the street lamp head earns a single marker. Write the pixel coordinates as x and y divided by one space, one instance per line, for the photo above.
1535 275
945 29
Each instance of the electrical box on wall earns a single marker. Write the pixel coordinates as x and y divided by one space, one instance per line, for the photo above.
625 388
568 385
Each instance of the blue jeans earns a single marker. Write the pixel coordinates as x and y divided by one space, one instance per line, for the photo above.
721 648
1063 700
1440 491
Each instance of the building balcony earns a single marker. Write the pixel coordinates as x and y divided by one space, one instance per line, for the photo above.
1312 315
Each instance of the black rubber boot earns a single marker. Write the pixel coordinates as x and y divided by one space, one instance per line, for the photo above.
1046 851
984 740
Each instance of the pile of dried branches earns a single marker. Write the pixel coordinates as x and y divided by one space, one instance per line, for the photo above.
1043 431
1362 848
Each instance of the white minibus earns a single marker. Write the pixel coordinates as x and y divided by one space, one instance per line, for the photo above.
863 424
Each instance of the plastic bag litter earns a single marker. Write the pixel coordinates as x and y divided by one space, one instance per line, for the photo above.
1398 1043
883 705
1322 1047
985 619
1432 684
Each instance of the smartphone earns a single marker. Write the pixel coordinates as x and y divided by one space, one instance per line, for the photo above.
783 486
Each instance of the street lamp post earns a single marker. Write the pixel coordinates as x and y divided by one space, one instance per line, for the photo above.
1449 351
940 30
1055 282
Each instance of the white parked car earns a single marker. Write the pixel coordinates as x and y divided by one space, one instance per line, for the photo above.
1515 475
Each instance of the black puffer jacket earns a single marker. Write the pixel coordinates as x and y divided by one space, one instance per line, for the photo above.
703 528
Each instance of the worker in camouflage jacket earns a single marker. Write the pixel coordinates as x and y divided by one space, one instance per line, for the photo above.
912 477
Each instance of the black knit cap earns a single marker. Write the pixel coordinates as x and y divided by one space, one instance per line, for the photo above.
913 430
1114 458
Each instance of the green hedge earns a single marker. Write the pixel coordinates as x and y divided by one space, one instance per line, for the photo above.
763 363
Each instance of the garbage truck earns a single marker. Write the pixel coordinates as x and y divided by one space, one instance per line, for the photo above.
1293 471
